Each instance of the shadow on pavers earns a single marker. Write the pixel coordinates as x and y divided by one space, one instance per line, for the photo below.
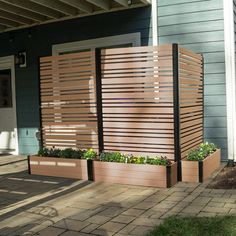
16 188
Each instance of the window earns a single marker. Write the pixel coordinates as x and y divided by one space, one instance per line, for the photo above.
124 40
5 89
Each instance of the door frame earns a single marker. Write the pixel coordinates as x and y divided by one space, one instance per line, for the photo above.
133 38
8 62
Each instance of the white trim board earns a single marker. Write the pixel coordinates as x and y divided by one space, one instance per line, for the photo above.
8 62
154 23
133 38
229 38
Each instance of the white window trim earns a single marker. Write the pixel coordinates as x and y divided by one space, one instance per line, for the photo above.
229 38
133 38
154 23
8 62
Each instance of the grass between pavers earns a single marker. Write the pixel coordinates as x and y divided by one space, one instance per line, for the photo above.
196 226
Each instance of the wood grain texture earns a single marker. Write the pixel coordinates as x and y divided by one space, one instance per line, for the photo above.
59 167
134 174
68 100
191 102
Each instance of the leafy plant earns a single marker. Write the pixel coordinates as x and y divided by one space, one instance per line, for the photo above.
43 152
113 157
89 154
163 161
137 160
66 153
204 150
122 158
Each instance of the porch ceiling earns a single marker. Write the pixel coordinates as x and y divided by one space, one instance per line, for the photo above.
15 14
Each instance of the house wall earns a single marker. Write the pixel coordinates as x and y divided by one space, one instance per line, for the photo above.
198 25
38 42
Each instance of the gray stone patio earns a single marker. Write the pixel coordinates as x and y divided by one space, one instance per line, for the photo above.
47 206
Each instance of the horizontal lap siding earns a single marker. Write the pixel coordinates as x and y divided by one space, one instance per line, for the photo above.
198 25
40 44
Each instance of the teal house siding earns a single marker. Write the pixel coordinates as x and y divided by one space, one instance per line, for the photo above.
38 41
199 26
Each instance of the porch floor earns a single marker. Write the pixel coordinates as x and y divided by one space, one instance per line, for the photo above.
48 206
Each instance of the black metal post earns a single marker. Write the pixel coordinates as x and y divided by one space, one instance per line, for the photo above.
28 161
90 169
177 145
200 171
168 176
99 99
203 74
40 135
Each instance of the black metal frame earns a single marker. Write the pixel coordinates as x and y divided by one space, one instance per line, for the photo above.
168 176
40 110
99 99
90 169
200 171
177 146
28 161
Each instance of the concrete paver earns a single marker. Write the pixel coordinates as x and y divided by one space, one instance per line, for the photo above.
40 205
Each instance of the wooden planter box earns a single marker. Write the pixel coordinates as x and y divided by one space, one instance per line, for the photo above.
59 167
198 171
135 174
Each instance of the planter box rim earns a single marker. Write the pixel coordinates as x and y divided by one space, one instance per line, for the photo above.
66 158
172 163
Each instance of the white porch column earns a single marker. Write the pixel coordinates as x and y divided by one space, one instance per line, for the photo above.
154 23
230 77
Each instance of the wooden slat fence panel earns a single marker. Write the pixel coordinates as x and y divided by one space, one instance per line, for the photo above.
68 101
191 100
137 90
137 100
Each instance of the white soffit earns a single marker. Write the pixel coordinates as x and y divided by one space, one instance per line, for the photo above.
16 14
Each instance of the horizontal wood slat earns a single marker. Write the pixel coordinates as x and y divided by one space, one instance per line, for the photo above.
137 98
140 82
67 82
191 100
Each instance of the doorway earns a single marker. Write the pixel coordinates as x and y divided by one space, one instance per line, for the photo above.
8 120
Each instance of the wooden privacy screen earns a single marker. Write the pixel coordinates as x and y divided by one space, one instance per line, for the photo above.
137 100
149 100
68 101
190 100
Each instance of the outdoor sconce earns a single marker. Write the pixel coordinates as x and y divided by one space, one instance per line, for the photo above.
20 59
129 2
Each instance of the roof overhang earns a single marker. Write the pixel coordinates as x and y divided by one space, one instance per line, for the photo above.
16 14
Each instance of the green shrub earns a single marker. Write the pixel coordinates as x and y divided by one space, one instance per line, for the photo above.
122 158
204 150
66 153
113 157
163 161
43 152
89 154
137 160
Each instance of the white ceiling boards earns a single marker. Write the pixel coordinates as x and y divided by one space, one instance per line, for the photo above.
16 14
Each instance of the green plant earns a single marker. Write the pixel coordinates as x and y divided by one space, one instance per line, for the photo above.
163 161
204 150
89 154
137 160
113 157
43 152
66 153
122 158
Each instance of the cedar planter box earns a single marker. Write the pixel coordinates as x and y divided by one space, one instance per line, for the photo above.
58 167
135 174
198 171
